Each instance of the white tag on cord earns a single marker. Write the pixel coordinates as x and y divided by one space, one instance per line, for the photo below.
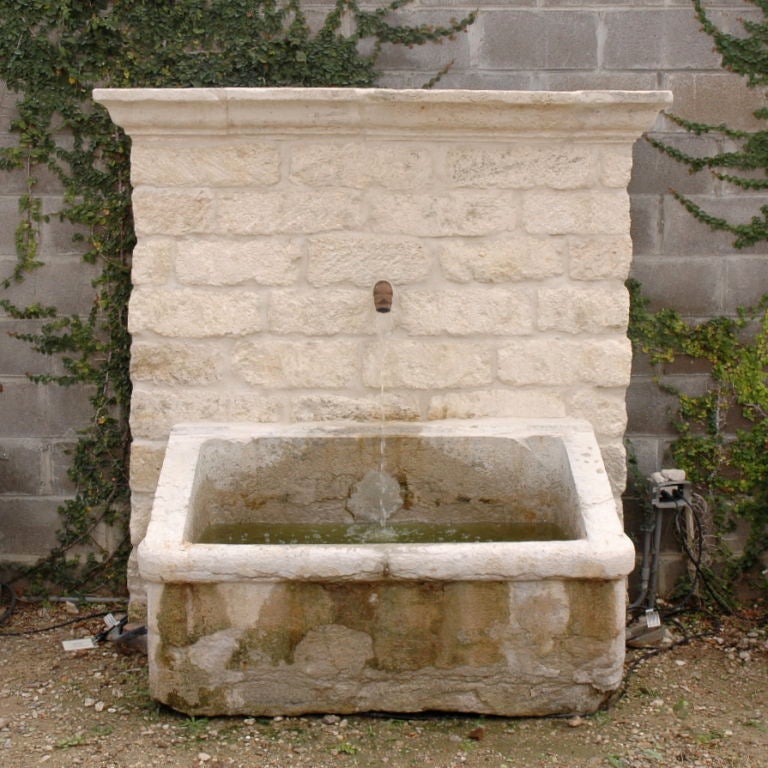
652 618
81 644
110 621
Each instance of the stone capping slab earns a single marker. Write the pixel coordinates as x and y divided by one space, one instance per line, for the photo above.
603 553
380 111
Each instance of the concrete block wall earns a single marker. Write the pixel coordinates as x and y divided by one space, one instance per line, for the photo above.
514 44
38 423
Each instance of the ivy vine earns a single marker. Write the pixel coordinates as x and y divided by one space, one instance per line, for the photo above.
723 433
722 439
52 54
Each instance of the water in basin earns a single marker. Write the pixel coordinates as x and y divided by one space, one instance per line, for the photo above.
361 533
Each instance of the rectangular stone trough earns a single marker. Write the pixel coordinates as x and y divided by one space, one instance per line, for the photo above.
507 624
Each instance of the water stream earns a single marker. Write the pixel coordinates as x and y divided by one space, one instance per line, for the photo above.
378 489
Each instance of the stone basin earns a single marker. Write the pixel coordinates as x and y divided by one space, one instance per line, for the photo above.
499 627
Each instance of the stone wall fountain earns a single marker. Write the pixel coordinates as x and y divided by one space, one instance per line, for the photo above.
486 409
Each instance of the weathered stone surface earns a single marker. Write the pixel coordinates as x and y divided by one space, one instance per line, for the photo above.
524 165
615 166
324 407
432 364
177 363
172 212
583 308
462 212
286 211
599 257
558 361
230 262
146 460
501 259
153 260
355 165
575 212
407 627
154 411
362 259
174 162
196 313
515 403
467 311
298 364
333 311
606 409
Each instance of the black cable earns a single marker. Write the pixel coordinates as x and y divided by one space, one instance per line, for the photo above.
650 653
696 560
55 626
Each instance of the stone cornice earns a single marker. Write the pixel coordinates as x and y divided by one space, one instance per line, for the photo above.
445 114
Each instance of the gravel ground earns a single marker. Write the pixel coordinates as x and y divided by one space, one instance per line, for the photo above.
700 704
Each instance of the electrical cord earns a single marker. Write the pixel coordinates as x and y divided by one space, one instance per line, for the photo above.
6 589
37 631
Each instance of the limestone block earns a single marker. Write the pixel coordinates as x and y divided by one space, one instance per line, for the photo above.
496 260
615 165
513 403
155 410
141 511
152 261
196 313
467 310
146 461
363 259
523 165
615 458
231 262
321 313
542 611
588 308
177 362
598 258
361 165
429 364
297 364
323 407
462 212
605 409
287 211
253 406
557 361
172 163
576 212
171 212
